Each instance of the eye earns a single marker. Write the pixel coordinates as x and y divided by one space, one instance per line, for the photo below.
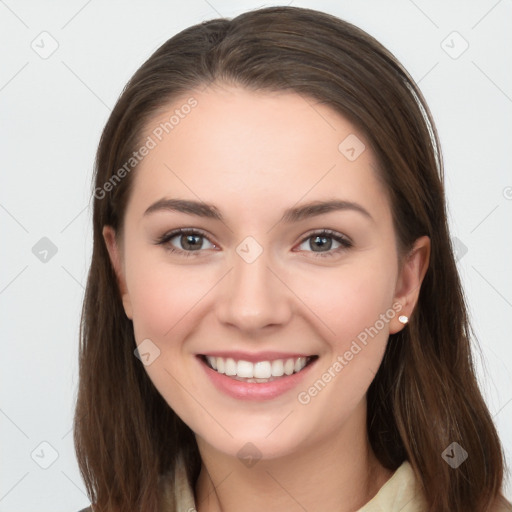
323 240
189 241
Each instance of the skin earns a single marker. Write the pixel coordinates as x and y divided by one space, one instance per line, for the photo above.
254 154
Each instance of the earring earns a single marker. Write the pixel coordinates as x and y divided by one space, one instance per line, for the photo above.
403 319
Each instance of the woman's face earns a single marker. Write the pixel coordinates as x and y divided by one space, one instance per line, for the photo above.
257 291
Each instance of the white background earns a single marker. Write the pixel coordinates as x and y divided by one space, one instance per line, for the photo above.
52 113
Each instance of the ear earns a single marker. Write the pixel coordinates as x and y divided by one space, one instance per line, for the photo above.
414 268
109 235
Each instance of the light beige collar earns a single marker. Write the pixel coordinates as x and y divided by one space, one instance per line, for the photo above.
399 494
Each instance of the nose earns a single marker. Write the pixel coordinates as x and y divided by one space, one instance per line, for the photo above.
254 295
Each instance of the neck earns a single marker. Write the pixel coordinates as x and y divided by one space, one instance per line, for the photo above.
338 472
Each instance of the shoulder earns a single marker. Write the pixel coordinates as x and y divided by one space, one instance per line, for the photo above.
401 493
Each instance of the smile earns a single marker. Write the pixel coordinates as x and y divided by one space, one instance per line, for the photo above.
258 371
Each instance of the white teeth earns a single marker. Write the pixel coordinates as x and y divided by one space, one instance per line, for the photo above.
260 371
299 364
245 369
277 368
230 366
289 366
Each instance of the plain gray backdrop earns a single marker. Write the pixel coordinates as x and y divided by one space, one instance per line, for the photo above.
63 65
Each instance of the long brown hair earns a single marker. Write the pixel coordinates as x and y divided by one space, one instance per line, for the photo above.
425 394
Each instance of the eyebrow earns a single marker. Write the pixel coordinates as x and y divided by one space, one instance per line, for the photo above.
295 214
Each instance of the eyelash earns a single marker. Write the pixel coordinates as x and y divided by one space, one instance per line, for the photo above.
327 233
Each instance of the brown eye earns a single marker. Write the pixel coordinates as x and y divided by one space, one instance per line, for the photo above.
321 243
190 242
185 241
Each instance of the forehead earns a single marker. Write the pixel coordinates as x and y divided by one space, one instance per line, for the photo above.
229 145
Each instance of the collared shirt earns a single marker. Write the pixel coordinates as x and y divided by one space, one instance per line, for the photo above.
399 494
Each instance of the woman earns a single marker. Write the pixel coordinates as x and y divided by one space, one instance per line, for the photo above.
273 316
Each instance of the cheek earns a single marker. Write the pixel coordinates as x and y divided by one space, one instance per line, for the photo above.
165 299
162 296
349 299
355 306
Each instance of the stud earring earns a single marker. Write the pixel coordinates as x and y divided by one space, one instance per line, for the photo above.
403 319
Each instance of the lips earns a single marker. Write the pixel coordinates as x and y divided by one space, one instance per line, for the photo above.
252 375
246 381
